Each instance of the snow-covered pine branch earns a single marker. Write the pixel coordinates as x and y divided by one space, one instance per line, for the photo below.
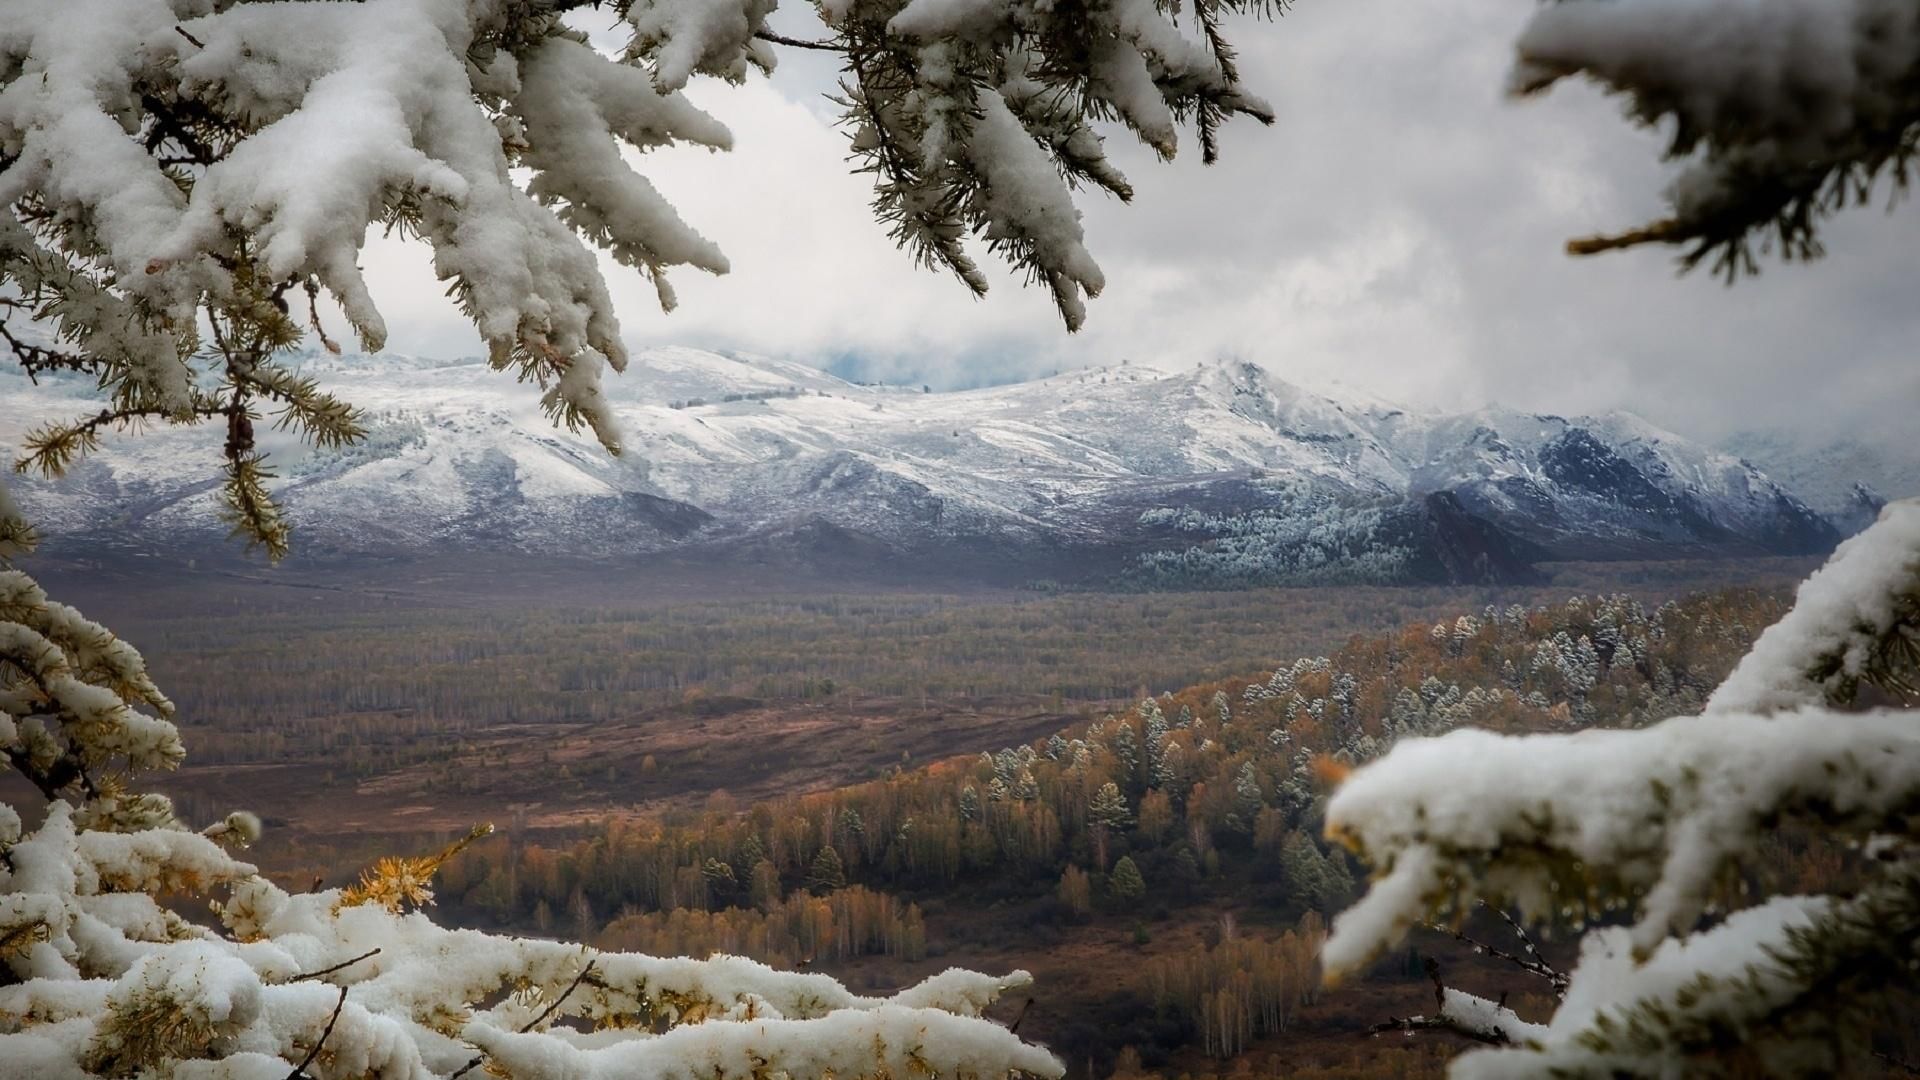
1650 821
1781 112
183 178
98 976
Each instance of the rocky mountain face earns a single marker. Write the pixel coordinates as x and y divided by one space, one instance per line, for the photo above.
1218 476
1847 480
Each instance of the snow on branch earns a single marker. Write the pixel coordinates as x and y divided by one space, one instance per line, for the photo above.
1782 111
1584 821
1649 822
977 116
1457 1012
1650 817
1855 620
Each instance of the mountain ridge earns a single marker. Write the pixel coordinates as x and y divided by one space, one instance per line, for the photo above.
740 453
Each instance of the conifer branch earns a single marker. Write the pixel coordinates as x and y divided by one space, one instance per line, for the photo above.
36 359
53 448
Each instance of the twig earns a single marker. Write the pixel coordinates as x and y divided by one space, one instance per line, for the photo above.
1440 1021
1532 963
182 31
328 971
1014 1027
1541 967
782 39
533 1023
557 1002
300 1071
1411 1024
313 317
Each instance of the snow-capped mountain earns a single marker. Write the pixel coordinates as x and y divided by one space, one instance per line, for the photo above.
1847 480
1218 474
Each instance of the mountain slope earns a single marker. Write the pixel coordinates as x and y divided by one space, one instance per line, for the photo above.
1846 479
1075 473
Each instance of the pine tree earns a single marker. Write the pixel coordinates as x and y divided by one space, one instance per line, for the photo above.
1169 767
750 855
1126 747
827 872
1125 883
721 880
1248 798
1109 808
969 808
1154 725
1025 787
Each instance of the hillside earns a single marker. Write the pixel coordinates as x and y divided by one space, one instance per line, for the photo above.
1221 476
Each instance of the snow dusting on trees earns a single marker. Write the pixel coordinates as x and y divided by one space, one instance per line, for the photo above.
1650 822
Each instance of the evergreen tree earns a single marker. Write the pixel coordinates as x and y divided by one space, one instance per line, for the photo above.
751 854
1248 799
827 872
1025 788
969 804
721 881
1310 875
1169 768
1125 883
1109 808
1154 724
1126 747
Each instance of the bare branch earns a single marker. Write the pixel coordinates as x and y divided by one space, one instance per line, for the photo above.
474 1063
1532 962
782 39
300 1071
328 971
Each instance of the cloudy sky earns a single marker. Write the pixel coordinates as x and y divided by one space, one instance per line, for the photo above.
1398 230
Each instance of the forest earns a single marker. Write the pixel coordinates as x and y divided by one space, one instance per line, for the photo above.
1175 841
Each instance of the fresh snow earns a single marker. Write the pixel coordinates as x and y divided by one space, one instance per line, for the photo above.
456 451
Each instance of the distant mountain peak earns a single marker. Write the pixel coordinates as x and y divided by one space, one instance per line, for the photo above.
741 449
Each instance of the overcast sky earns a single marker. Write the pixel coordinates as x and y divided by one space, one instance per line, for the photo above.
1399 230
